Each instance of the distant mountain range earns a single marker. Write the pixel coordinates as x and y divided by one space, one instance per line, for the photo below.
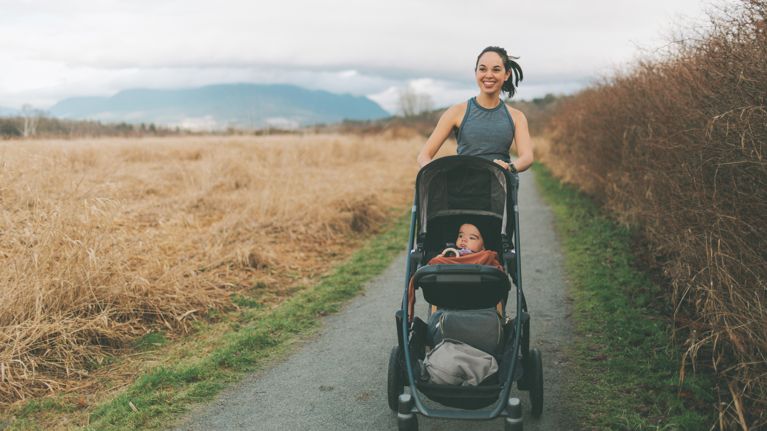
247 106
8 111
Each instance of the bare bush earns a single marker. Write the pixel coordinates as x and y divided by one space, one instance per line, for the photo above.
31 118
677 146
413 103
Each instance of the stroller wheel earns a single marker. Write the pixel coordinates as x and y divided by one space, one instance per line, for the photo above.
409 425
396 381
536 382
406 419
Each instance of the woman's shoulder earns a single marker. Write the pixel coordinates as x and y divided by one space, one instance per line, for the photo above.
455 113
458 108
512 109
515 113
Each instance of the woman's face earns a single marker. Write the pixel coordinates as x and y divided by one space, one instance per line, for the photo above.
490 74
469 237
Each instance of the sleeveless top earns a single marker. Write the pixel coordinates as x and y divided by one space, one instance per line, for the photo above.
486 133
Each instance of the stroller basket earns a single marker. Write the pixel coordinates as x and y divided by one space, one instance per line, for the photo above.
465 397
462 287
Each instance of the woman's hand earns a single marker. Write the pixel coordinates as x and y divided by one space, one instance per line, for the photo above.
503 164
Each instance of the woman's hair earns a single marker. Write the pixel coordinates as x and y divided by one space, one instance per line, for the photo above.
510 86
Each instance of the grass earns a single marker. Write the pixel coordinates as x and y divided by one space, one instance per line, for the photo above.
625 366
254 336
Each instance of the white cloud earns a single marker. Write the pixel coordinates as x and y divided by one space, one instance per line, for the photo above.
443 93
57 48
198 124
388 99
283 123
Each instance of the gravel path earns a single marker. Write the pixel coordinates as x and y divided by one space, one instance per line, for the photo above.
337 381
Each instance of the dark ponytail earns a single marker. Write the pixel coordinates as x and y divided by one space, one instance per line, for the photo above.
510 86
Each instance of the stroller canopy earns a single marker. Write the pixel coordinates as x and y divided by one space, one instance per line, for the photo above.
463 186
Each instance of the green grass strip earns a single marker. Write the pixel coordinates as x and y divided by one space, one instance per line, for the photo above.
260 336
625 366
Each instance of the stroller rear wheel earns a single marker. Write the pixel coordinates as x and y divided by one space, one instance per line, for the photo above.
396 379
535 366
406 419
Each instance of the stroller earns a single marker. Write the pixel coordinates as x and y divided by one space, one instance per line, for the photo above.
449 191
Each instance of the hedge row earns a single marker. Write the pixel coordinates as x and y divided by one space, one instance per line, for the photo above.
676 147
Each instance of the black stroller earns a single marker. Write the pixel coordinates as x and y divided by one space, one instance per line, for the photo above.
450 190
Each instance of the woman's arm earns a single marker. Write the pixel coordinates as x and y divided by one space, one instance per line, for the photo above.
522 141
447 121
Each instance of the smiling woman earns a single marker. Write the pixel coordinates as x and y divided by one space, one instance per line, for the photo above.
485 126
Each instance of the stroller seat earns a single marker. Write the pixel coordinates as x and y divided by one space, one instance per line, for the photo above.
462 287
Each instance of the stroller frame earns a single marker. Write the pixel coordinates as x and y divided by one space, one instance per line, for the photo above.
410 404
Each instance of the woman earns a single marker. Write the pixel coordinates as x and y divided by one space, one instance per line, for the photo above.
484 125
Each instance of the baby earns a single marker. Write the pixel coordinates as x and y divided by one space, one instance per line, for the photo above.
470 246
469 241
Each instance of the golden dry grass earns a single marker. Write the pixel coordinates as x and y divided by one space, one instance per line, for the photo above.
104 240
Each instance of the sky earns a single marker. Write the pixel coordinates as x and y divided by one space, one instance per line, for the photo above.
53 49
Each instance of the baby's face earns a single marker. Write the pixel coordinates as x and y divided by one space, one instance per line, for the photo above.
469 237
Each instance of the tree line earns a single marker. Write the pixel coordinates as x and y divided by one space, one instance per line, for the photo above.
34 123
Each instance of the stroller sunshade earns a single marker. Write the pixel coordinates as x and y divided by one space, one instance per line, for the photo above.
461 185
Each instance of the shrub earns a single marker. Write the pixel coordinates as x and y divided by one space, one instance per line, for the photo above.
9 129
677 146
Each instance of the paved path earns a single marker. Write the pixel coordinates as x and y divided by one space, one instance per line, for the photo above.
337 381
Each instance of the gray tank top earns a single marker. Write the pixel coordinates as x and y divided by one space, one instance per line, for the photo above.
486 133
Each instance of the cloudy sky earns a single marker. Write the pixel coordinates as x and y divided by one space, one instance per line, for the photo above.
52 49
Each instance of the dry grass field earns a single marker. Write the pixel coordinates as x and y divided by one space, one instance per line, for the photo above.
104 240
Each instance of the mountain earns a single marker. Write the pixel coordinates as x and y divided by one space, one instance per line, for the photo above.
221 106
8 112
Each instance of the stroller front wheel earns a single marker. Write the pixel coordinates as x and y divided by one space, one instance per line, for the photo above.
395 380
